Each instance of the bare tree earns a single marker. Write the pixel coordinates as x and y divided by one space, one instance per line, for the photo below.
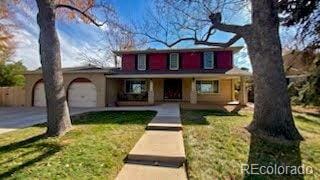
113 38
197 21
88 11
57 108
7 45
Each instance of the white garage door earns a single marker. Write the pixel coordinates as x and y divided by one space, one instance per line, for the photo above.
82 94
39 97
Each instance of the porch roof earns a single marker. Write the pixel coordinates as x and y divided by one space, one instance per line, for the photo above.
234 72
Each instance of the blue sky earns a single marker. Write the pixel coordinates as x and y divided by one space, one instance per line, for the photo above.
78 37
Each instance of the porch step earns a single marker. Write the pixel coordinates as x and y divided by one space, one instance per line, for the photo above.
146 172
160 148
165 123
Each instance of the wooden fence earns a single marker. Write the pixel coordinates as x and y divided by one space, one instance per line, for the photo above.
12 96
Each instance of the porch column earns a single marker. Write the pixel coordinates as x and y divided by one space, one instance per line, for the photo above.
243 99
150 92
232 90
193 93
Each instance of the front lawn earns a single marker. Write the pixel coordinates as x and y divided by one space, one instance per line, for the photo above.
94 149
217 144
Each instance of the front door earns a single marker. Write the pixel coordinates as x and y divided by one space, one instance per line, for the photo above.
172 89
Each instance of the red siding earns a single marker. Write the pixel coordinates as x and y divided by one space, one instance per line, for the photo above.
157 61
128 62
224 59
191 60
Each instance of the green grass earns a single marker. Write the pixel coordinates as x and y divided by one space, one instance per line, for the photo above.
94 149
217 144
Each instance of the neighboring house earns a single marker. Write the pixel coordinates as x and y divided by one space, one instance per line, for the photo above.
296 66
198 75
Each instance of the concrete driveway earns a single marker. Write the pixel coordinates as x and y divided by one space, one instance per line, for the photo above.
12 118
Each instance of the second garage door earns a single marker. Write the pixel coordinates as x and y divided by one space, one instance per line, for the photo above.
39 96
82 94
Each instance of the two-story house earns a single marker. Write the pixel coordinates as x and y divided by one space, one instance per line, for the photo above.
145 77
198 75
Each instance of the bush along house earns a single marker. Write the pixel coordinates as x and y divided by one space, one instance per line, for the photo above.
146 77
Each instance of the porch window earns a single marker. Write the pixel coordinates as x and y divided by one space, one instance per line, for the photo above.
135 86
208 59
207 87
174 61
141 62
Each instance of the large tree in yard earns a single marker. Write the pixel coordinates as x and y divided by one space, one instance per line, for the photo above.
57 108
88 11
197 21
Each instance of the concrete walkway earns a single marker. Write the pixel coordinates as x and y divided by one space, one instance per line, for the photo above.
159 154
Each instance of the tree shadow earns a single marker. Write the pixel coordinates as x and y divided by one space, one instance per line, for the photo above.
21 144
42 151
237 109
114 117
266 153
199 117
305 119
35 149
314 114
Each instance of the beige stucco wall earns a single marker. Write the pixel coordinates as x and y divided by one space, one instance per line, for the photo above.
186 89
113 88
224 95
98 79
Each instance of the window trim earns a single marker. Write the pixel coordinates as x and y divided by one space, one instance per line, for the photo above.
145 62
208 93
125 86
204 63
178 61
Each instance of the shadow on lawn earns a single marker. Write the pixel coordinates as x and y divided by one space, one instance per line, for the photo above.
199 117
36 149
275 155
114 117
42 151
308 120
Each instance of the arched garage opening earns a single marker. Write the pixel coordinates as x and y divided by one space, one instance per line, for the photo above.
82 93
38 94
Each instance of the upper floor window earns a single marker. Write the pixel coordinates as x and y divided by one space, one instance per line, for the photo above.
208 59
174 61
142 62
208 87
135 86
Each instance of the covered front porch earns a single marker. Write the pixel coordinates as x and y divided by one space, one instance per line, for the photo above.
150 89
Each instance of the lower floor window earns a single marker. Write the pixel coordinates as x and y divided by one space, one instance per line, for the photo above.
135 86
208 86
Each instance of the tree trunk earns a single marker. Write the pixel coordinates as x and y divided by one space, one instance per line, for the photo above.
58 122
272 111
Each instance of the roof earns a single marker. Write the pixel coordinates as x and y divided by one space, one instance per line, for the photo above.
235 49
295 63
80 69
180 73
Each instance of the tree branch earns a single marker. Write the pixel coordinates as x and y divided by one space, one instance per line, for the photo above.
196 41
169 44
215 19
224 45
209 33
72 8
228 28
